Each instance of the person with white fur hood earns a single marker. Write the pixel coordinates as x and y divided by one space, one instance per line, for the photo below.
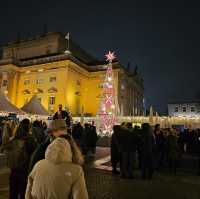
57 176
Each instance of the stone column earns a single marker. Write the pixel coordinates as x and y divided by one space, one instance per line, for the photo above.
4 82
13 86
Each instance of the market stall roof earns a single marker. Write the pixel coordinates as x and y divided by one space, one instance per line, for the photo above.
7 107
34 107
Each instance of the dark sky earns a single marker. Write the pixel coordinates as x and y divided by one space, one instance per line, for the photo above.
161 37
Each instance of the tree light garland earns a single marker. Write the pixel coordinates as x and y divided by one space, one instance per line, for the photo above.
107 105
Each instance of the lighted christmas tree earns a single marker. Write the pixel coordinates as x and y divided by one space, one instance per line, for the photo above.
107 112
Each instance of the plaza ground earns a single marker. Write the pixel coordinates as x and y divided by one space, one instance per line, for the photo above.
102 185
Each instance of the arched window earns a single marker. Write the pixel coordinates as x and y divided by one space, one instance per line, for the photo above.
26 91
38 90
52 90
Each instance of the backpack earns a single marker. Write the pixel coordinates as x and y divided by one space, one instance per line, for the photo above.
16 153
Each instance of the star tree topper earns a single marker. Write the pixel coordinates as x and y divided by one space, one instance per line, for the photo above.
110 56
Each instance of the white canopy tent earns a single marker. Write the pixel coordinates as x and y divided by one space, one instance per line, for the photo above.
7 107
34 107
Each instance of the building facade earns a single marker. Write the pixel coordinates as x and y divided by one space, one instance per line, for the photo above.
58 71
184 109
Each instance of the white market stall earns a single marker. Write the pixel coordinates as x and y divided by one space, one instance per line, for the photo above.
7 107
35 109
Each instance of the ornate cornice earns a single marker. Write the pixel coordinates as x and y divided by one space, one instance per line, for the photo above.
49 59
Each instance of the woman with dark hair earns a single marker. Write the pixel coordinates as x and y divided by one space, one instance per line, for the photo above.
23 129
18 151
38 132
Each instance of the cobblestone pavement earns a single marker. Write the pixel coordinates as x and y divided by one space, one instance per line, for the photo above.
4 183
102 185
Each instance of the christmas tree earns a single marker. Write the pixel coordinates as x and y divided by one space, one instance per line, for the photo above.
107 110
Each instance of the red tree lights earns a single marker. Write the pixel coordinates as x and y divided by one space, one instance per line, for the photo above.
107 105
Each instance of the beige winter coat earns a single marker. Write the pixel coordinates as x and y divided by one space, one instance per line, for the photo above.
56 177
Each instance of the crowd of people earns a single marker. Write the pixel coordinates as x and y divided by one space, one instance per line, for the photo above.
46 160
152 148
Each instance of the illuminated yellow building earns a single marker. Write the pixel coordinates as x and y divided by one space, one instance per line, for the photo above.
58 71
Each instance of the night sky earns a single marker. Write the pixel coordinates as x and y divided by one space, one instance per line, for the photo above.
161 37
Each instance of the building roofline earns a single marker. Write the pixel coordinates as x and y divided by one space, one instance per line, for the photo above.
73 47
184 102
32 38
76 54
53 58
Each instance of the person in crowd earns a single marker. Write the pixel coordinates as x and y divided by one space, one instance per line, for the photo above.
58 175
182 141
189 140
137 131
128 147
90 139
159 151
198 152
172 150
2 123
84 143
124 135
7 133
196 148
18 151
57 128
77 133
194 142
62 114
13 124
44 125
77 154
95 137
38 132
123 124
147 144
1 134
115 149
133 143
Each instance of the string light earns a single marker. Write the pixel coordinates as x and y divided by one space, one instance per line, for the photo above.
112 106
107 114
